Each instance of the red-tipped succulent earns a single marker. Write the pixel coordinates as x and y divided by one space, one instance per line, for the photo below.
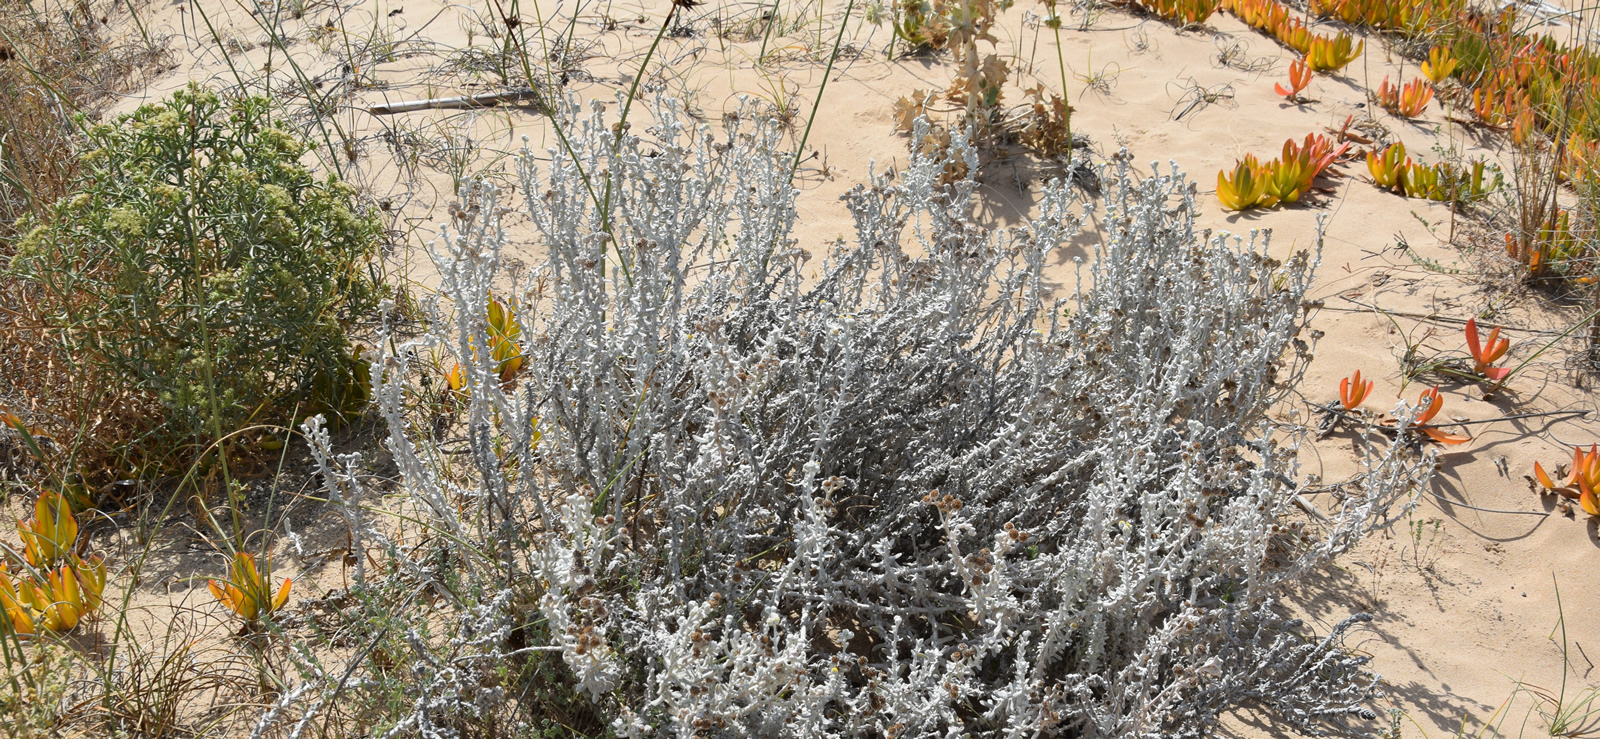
1582 484
1432 402
1299 79
1486 353
1352 391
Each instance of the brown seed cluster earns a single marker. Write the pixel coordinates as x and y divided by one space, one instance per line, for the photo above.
587 639
946 503
962 652
1015 533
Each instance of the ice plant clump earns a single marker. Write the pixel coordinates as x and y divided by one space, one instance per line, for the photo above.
1331 54
66 594
57 587
888 485
1388 168
1583 483
1245 188
248 590
501 331
1439 64
1408 101
49 536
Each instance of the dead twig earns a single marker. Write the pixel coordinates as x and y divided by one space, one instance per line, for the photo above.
484 100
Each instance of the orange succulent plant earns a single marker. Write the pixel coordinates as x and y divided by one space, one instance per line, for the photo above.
67 595
1331 54
503 348
1431 402
1299 80
1282 180
48 537
1352 391
1245 188
1583 481
1319 149
1408 101
1486 353
1421 181
58 588
1294 34
1261 14
248 590
1387 168
1288 177
1439 64
1400 14
503 335
1184 12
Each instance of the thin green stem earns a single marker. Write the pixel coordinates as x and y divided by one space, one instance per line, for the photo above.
816 104
772 20
1564 334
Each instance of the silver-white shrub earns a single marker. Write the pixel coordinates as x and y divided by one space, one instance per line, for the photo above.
894 489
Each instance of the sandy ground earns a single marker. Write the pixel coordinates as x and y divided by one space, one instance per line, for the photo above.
1465 602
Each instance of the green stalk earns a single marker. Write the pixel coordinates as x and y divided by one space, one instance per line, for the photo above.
633 90
300 76
1061 63
772 20
550 86
815 105
622 127
1564 334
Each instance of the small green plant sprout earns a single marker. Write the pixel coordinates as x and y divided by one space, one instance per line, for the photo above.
1247 186
1386 168
1583 482
1439 64
1299 80
1487 352
1352 391
1424 542
1408 101
248 590
1432 402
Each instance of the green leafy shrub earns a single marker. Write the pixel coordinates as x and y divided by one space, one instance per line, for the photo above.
202 264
